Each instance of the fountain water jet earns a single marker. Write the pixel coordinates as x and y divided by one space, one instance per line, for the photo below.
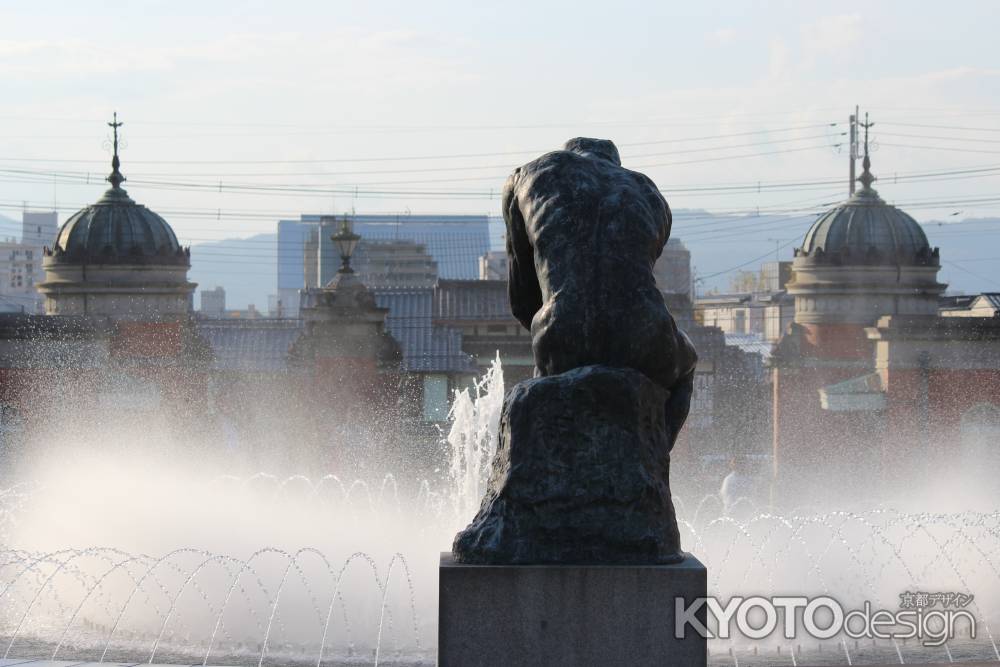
107 604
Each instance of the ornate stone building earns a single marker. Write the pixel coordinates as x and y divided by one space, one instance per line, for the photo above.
117 258
344 333
117 332
869 369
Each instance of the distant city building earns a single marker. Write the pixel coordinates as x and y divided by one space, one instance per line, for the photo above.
274 306
775 276
213 302
295 271
764 316
21 262
493 265
378 263
306 255
248 313
673 269
38 228
480 310
400 263
20 270
977 305
758 316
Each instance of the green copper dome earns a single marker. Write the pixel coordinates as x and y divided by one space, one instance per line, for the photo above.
116 230
866 230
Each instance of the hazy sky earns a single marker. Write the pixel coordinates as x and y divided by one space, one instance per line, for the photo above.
315 95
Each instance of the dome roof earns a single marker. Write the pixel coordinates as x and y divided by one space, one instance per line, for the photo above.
116 230
866 230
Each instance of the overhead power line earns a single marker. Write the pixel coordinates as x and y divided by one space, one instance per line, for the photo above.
533 151
787 242
659 121
961 128
977 140
75 177
940 148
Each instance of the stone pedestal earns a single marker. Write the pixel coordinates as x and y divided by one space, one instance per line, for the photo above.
567 615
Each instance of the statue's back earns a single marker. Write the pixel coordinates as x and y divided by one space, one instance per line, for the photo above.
595 230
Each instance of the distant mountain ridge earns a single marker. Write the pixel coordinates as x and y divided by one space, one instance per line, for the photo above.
247 267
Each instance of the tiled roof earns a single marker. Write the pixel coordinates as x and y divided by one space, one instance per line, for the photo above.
263 345
426 347
752 343
259 346
723 299
992 297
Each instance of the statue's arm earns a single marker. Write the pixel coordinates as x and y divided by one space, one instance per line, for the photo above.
668 222
679 403
522 283
660 209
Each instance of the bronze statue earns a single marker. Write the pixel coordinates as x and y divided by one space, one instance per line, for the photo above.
582 466
583 234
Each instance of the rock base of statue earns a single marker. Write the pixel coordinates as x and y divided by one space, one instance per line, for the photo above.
569 615
581 475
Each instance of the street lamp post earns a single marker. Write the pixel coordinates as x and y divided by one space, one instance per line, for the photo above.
346 241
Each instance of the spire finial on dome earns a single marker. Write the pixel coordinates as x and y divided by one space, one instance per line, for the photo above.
866 178
115 178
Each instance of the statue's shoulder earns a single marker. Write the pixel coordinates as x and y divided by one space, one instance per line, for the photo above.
555 159
648 188
642 180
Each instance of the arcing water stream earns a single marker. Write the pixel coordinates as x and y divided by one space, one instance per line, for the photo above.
115 560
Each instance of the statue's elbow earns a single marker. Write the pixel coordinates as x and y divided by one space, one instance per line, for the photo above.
687 355
524 317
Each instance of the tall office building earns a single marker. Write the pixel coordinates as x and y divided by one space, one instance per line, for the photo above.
213 302
306 253
38 228
21 262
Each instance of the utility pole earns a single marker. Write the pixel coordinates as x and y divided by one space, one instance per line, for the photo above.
853 148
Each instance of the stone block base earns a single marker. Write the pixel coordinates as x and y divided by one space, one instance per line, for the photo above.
567 615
